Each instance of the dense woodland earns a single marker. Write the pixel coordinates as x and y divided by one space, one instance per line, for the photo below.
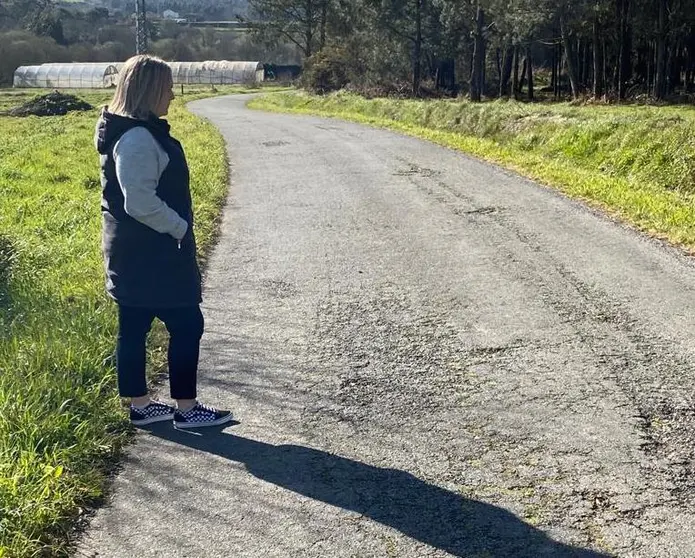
487 48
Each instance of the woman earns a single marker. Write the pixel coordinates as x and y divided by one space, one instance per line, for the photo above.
148 243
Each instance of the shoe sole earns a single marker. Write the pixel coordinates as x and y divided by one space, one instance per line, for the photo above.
143 422
216 422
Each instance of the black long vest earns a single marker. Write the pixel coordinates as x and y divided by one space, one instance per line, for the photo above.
145 268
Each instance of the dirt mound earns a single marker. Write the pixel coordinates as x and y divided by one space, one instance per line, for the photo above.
53 104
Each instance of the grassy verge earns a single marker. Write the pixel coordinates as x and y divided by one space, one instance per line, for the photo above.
636 163
61 422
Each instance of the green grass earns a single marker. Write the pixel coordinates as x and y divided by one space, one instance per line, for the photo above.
636 163
61 422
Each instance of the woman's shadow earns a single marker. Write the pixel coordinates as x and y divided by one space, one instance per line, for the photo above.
425 512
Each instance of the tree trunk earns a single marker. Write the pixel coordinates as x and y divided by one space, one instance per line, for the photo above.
553 71
522 79
558 71
529 68
569 56
598 71
675 66
324 17
507 64
309 29
477 75
625 48
660 83
668 86
690 79
586 66
417 49
604 63
515 73
690 64
650 69
483 71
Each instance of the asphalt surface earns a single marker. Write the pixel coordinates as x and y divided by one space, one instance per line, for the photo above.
426 356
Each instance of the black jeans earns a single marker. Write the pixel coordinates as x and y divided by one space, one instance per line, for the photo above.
185 326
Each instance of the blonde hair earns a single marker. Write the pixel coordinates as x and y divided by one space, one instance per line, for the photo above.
142 82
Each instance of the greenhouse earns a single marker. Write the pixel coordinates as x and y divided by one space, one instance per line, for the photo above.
90 75
98 75
217 72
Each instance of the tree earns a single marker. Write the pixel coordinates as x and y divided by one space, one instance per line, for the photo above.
569 54
301 22
660 84
597 51
624 69
404 21
478 70
45 21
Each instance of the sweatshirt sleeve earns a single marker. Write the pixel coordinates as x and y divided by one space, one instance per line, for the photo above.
138 170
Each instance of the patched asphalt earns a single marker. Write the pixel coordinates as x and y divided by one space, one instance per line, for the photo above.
427 356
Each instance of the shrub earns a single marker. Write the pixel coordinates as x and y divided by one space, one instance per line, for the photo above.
327 70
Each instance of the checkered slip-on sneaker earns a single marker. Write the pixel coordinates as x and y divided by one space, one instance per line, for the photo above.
154 412
201 416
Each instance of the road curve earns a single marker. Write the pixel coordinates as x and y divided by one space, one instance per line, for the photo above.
427 356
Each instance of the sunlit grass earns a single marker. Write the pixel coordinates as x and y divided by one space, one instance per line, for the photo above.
635 162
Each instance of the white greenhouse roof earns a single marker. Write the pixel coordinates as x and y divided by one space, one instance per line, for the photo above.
105 74
216 71
79 75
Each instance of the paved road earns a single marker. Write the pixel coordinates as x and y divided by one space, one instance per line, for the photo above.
427 356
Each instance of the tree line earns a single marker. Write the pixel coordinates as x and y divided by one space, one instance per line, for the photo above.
38 31
492 48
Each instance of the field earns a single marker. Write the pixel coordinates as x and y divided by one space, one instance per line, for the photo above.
636 163
61 422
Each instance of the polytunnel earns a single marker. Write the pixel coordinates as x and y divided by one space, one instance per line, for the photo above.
217 72
88 75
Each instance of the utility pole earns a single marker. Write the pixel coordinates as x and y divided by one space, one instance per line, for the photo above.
140 27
